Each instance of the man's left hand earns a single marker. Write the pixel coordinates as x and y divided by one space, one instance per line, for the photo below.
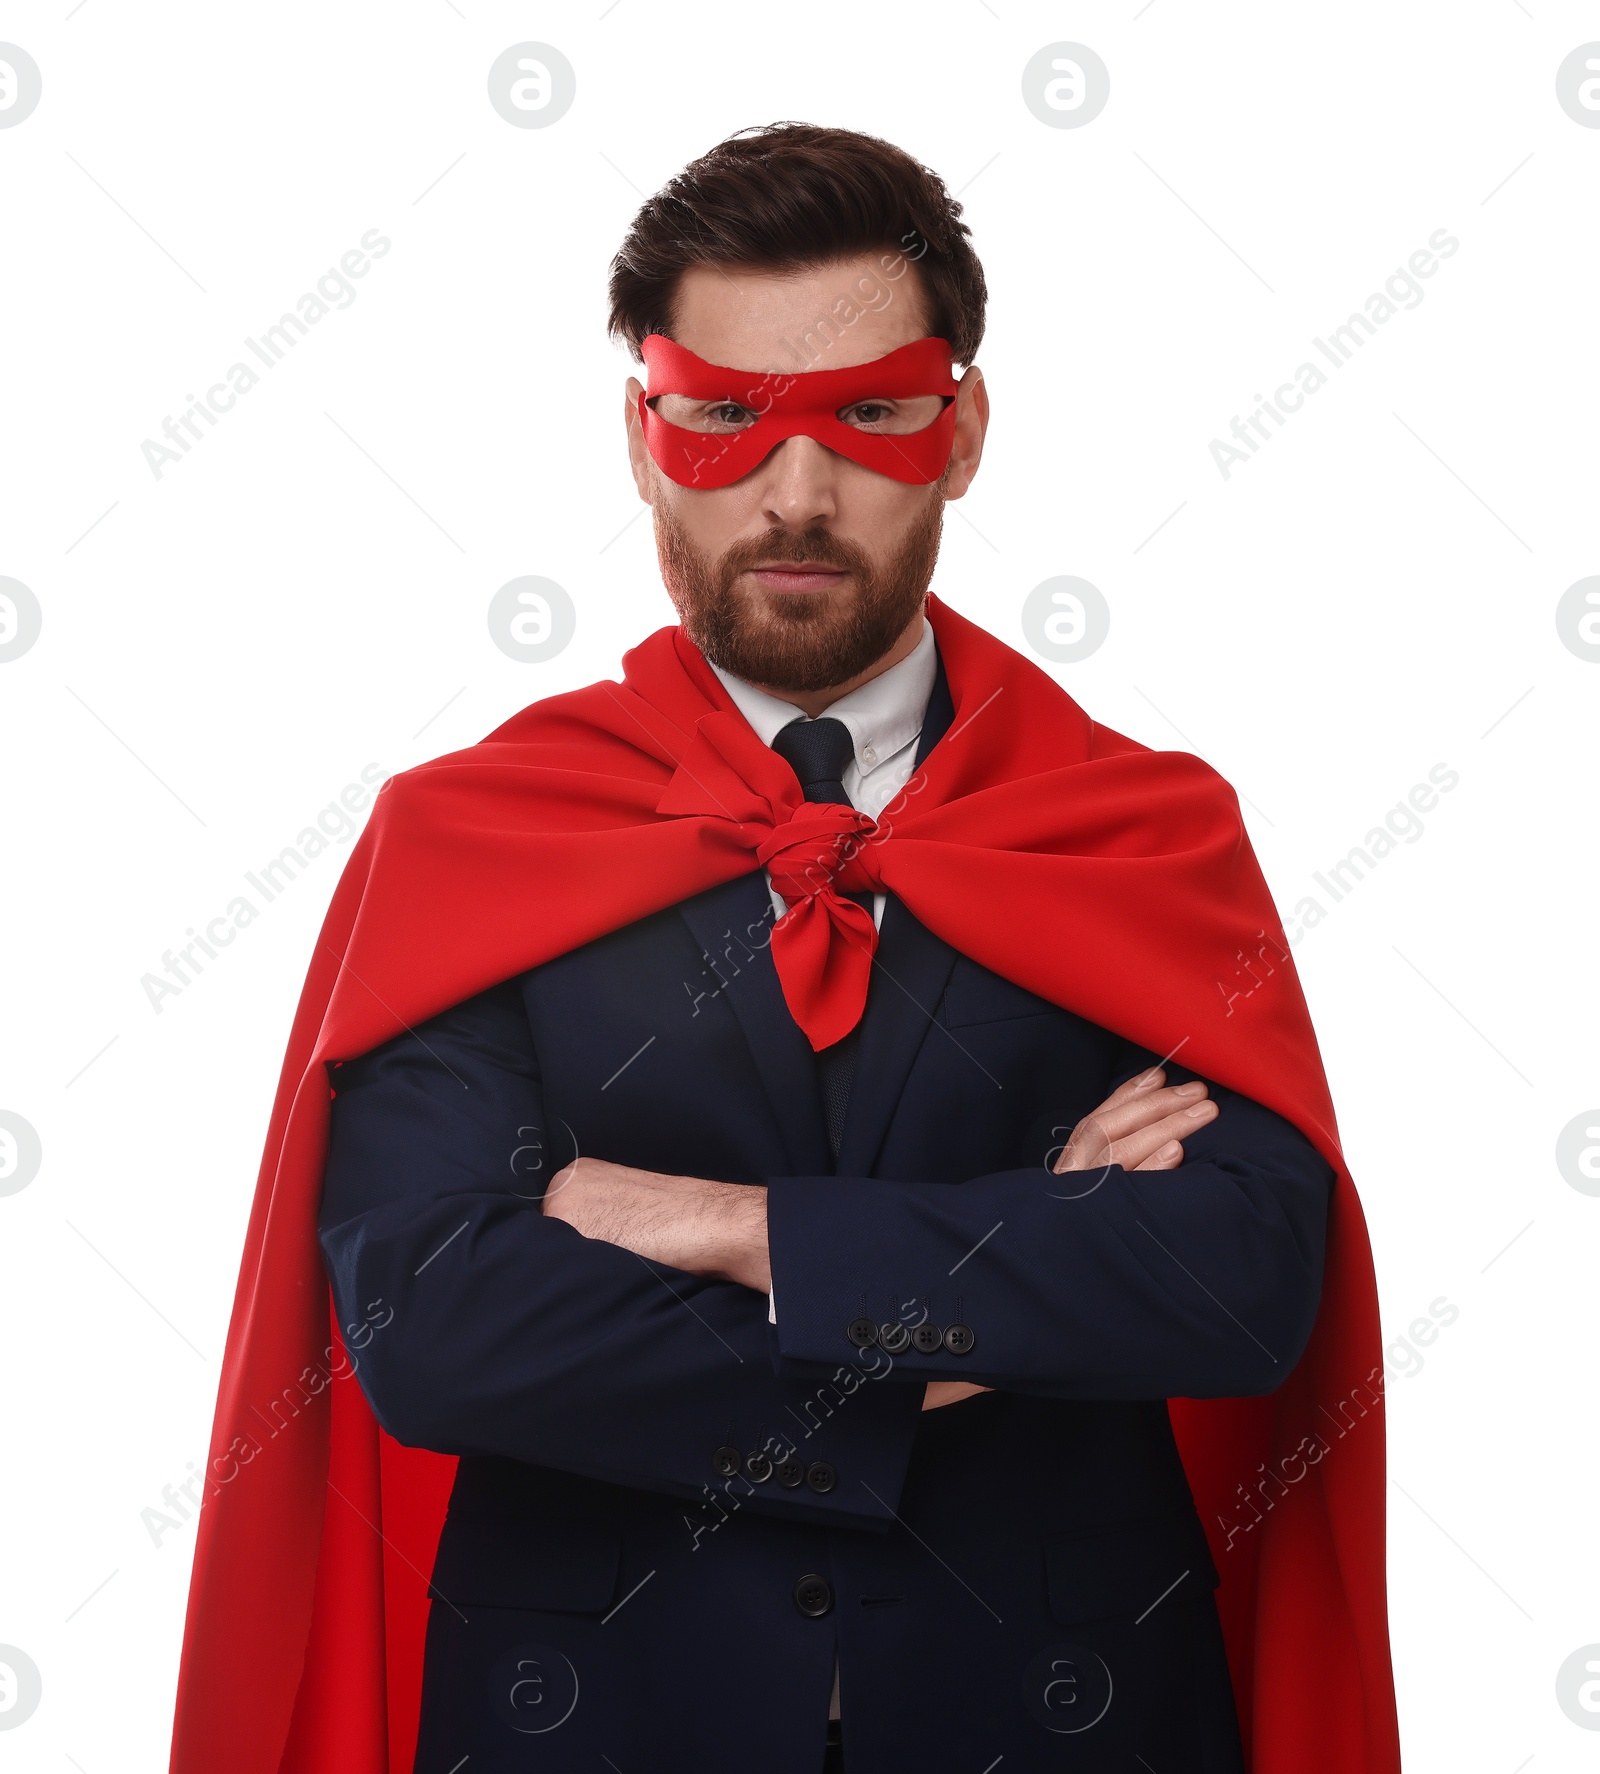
717 1229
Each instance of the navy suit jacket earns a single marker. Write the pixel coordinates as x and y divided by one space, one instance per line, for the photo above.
671 1516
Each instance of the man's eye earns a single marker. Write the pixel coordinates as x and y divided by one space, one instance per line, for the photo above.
719 417
894 418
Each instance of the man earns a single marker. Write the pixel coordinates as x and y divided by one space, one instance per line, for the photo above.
759 1153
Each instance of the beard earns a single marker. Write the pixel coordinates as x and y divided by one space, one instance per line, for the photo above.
797 641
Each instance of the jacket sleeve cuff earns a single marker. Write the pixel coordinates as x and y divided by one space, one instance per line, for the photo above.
837 1452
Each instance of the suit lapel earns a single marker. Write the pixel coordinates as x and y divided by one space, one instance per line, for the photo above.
909 973
782 1055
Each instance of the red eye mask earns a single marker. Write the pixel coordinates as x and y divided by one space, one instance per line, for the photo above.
798 405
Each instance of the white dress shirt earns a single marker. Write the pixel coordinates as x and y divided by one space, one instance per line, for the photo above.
885 719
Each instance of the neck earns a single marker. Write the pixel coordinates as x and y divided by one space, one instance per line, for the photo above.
816 702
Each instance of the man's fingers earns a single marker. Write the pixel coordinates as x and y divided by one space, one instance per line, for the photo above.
1120 1115
1132 1151
1167 1157
1139 1085
1131 1133
1117 1120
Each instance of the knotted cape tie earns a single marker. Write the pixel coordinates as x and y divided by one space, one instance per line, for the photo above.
817 853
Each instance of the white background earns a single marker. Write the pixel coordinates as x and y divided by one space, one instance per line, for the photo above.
226 647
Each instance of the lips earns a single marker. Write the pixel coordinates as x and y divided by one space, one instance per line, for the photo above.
803 576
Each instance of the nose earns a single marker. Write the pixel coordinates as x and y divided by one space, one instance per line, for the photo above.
798 490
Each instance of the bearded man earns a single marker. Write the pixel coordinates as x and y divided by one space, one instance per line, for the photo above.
827 1185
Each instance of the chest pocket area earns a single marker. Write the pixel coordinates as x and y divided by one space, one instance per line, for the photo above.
974 995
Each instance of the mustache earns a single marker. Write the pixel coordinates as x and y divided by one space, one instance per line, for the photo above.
811 548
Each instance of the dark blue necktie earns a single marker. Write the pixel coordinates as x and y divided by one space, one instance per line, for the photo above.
819 752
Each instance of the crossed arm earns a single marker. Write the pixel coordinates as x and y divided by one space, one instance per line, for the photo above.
719 1230
614 1324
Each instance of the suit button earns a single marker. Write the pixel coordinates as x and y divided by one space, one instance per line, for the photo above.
813 1596
757 1467
928 1338
894 1337
822 1478
862 1332
958 1339
727 1461
791 1472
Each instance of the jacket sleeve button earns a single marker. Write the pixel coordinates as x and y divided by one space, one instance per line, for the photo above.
862 1332
821 1477
927 1338
791 1472
893 1337
959 1339
757 1467
727 1461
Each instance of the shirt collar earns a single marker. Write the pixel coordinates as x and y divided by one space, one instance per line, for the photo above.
884 714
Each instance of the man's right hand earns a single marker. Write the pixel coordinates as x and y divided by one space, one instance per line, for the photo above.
1142 1126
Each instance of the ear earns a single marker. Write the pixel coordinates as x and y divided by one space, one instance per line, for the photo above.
638 450
972 423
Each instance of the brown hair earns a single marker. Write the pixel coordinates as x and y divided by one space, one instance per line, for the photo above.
797 195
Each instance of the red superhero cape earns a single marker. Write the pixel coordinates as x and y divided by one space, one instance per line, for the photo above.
303 1648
